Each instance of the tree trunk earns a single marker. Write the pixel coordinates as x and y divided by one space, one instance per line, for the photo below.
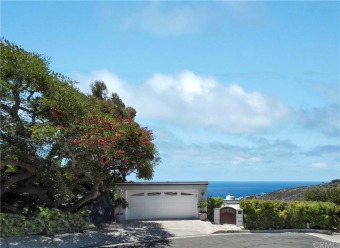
93 194
6 185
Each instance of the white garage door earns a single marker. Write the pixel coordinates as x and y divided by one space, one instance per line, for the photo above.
161 204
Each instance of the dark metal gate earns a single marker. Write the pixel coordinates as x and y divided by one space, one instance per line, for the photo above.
227 215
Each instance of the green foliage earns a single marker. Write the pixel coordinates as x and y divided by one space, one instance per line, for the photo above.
119 201
202 204
324 195
46 221
213 202
336 220
60 146
262 214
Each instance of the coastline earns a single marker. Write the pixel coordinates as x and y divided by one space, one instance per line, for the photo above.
247 189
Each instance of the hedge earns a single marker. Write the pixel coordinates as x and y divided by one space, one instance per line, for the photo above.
47 221
271 214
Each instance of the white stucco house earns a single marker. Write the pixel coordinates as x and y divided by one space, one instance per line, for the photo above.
162 200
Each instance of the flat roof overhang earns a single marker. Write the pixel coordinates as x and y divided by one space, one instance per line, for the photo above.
163 183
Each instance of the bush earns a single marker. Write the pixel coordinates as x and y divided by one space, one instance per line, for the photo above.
213 202
202 204
12 224
47 221
324 195
261 214
336 219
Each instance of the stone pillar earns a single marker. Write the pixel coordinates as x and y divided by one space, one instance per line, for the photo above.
217 215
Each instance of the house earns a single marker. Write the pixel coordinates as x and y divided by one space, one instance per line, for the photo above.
162 200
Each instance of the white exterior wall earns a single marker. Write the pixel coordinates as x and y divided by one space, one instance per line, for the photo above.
217 215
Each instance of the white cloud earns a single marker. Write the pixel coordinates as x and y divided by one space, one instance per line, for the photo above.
324 119
240 160
319 165
192 100
159 19
186 84
113 82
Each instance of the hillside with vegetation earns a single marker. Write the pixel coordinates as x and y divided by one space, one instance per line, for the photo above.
315 207
314 192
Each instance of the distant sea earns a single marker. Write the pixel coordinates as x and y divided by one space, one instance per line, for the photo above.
241 189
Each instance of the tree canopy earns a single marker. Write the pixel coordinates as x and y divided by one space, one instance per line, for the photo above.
60 147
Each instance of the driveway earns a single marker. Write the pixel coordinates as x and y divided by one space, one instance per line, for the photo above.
181 228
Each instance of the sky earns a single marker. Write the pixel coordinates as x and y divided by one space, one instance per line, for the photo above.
233 90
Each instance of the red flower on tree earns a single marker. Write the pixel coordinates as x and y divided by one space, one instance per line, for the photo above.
104 160
75 176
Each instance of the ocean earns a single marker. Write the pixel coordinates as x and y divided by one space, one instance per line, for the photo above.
246 188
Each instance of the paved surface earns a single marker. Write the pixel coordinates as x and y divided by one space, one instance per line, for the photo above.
135 231
193 227
172 233
250 240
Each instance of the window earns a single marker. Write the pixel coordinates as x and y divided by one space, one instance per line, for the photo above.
183 193
170 193
138 194
154 193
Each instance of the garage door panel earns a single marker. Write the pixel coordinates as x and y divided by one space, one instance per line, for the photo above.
154 207
137 207
160 205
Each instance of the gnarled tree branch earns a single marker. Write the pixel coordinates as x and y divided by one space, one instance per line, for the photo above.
7 184
93 194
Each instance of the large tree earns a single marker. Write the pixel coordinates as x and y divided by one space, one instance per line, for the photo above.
58 145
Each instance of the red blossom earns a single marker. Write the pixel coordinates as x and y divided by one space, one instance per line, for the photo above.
104 160
55 115
121 132
119 118
146 142
130 120
120 152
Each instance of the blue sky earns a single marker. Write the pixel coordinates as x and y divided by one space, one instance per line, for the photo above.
232 90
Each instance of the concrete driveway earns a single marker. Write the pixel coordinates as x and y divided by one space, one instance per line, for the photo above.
181 228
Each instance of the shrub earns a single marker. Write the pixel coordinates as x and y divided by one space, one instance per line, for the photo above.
324 195
12 224
261 214
47 221
202 204
336 219
213 202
